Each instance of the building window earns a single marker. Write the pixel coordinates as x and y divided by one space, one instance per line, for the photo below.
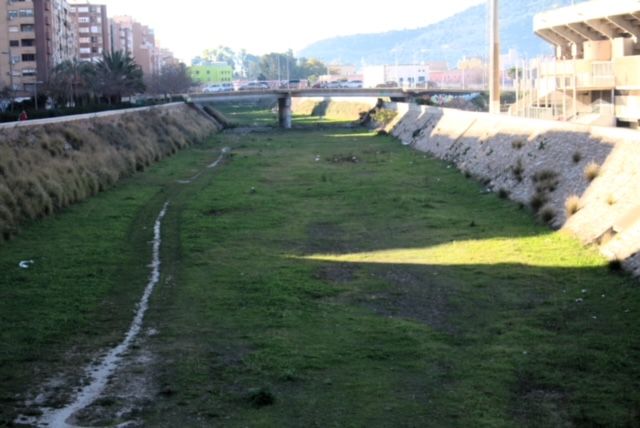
26 13
14 29
14 43
28 57
28 42
26 28
83 19
29 72
13 14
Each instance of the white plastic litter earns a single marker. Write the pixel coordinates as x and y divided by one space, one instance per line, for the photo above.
26 264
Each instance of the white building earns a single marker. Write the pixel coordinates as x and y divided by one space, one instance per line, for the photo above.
404 75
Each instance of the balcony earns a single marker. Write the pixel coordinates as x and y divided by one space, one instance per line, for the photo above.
585 75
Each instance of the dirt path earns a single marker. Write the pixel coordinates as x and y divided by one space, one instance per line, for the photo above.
123 370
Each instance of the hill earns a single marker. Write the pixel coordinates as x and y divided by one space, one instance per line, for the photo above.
462 35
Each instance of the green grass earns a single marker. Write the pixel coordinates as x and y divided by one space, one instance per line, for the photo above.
263 114
352 281
249 114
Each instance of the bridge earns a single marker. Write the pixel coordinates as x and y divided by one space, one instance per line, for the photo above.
284 96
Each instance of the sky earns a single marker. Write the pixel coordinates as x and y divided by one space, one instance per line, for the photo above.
188 27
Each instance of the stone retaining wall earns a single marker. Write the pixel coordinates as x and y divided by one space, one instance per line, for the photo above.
585 180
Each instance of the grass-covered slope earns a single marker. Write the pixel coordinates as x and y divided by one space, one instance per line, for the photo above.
46 168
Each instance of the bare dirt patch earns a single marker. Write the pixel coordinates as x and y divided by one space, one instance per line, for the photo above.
413 294
535 405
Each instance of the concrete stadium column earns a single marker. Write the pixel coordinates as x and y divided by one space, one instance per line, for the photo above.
284 112
494 73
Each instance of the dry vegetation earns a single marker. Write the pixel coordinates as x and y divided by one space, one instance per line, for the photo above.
591 171
572 205
46 168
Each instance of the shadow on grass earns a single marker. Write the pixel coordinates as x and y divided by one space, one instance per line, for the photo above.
558 343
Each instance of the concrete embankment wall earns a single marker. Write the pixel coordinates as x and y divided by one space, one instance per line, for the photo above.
585 180
48 164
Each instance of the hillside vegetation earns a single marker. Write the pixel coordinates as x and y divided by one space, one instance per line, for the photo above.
462 35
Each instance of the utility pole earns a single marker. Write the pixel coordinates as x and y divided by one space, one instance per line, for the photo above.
494 76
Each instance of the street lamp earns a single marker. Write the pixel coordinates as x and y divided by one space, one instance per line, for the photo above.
10 76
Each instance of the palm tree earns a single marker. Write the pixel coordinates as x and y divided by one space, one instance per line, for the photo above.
117 76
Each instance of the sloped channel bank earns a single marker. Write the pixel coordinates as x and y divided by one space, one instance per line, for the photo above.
46 165
585 180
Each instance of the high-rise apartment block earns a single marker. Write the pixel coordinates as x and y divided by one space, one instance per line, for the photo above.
130 36
35 35
93 29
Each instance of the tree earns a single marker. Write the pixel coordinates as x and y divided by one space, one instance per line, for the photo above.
72 82
173 79
220 54
117 76
311 67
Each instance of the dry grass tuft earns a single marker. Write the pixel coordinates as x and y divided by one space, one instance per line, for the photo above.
572 205
591 171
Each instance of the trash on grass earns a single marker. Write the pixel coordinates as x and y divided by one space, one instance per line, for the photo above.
26 264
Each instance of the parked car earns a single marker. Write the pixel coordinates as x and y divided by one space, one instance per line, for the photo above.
389 84
254 86
320 85
353 84
334 85
210 89
227 87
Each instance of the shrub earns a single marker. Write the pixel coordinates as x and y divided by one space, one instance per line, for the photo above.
503 193
547 215
615 265
518 170
261 397
517 145
384 116
537 201
572 205
546 181
577 157
591 171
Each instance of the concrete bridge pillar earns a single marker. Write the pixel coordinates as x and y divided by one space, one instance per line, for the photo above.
284 112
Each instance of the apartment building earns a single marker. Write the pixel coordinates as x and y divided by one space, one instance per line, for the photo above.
93 31
130 36
594 75
35 36
211 72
